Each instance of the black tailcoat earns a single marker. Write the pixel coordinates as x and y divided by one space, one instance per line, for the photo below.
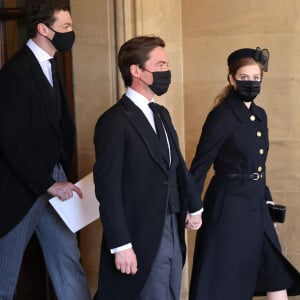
131 185
32 137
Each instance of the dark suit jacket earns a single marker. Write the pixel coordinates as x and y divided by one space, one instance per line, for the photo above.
131 186
32 139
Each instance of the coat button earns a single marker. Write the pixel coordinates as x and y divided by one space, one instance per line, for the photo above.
259 169
258 133
252 118
261 151
165 182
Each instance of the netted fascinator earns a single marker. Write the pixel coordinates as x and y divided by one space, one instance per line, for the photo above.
258 54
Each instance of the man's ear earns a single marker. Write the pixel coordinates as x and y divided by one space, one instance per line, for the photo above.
135 71
42 29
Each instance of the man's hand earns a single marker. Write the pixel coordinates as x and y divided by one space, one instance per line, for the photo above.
193 222
64 190
126 262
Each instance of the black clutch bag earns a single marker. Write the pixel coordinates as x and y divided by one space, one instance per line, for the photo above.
277 212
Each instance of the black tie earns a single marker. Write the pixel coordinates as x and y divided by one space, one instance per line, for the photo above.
56 88
160 132
54 72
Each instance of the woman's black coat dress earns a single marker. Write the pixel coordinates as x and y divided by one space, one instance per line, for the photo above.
237 250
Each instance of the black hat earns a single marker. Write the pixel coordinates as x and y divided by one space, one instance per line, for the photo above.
259 55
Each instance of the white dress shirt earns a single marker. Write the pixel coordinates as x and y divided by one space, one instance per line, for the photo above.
142 103
43 58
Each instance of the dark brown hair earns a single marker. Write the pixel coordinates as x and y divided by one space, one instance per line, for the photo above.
232 70
42 11
136 52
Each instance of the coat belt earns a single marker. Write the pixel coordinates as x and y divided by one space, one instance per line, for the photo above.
242 176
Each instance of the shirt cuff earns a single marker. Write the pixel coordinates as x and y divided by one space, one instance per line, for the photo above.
270 202
198 212
121 248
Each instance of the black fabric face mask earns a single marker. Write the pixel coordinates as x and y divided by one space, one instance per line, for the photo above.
63 41
247 90
161 82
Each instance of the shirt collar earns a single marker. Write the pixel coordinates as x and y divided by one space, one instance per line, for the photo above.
40 54
138 99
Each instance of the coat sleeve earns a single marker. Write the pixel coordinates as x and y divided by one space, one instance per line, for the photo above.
109 146
18 144
187 185
268 196
216 129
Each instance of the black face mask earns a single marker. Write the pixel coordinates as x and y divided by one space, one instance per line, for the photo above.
247 90
63 41
161 82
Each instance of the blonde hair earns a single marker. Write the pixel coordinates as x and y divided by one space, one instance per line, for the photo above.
223 94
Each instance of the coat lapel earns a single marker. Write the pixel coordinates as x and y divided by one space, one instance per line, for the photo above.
44 88
141 124
241 112
170 128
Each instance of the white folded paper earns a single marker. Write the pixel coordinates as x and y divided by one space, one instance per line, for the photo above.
76 212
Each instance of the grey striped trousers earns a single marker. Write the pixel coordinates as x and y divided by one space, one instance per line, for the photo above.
59 246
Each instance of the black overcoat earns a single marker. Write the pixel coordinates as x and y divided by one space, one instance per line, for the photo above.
228 250
32 137
131 185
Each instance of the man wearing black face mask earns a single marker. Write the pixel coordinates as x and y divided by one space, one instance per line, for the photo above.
145 192
36 143
63 41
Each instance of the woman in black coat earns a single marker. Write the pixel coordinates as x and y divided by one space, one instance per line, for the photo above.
237 251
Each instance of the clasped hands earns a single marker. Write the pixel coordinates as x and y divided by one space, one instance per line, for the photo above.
193 222
126 261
